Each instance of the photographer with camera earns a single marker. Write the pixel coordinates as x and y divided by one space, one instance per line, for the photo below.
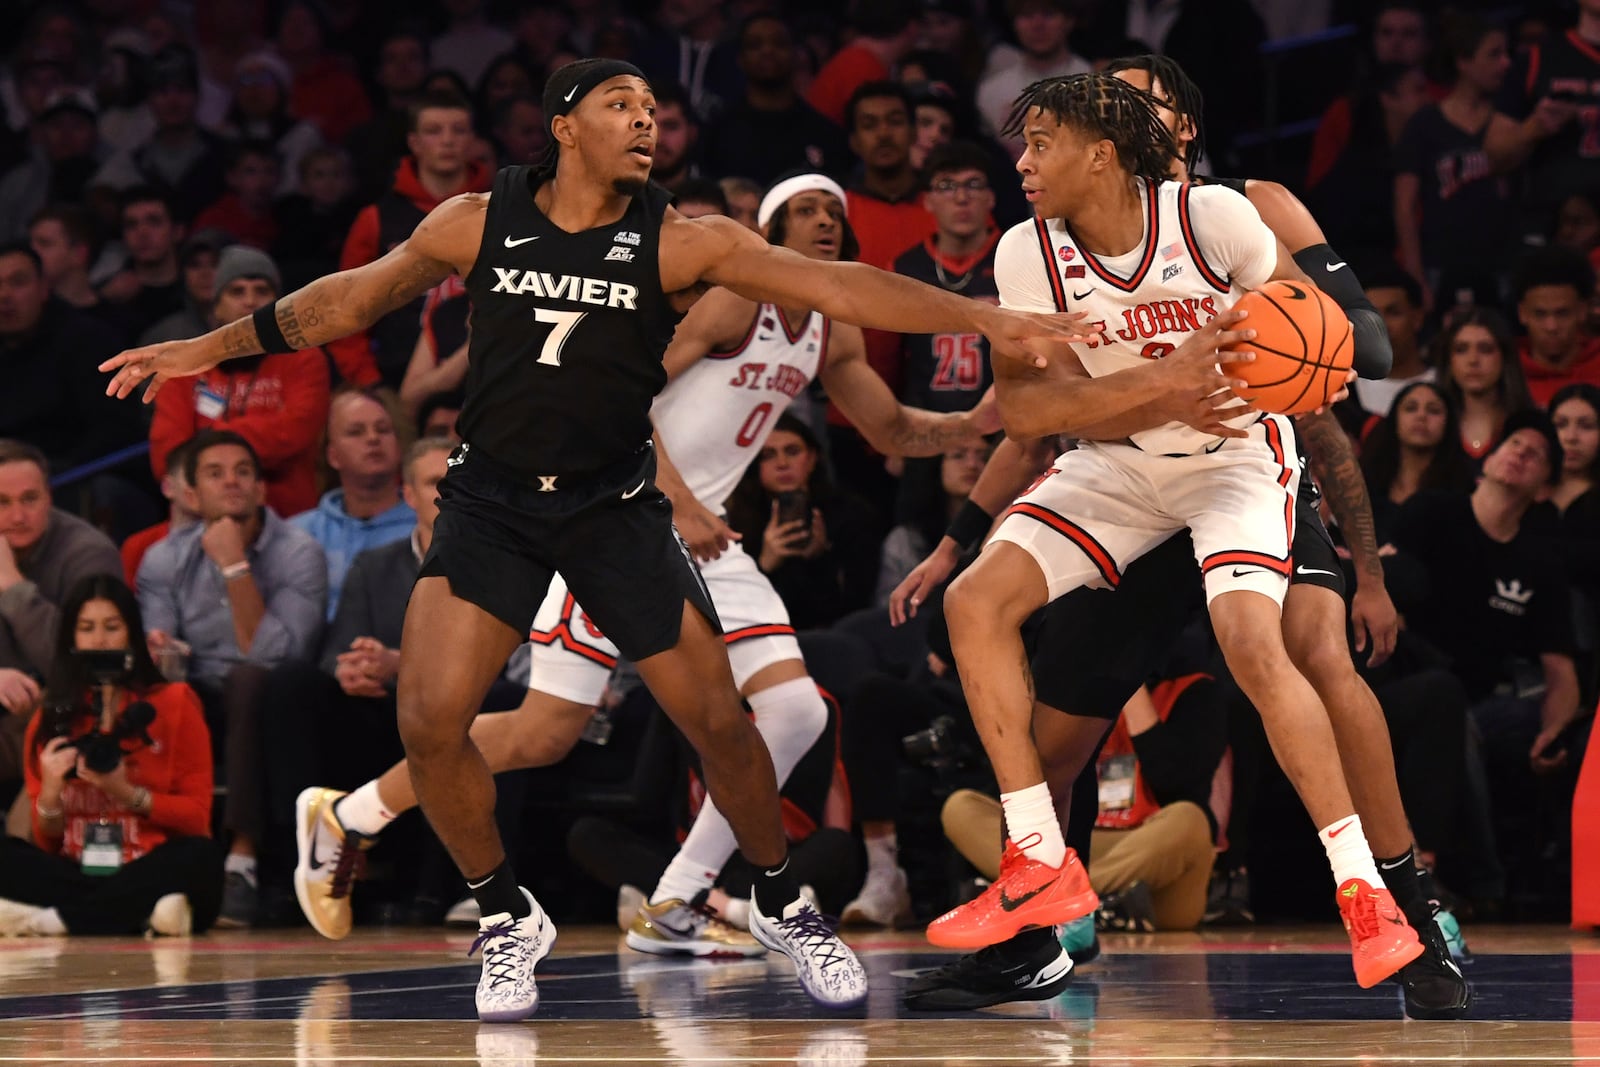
119 775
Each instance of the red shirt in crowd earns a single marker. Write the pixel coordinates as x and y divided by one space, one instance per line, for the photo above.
1545 381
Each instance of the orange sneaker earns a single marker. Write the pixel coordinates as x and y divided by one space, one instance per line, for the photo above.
1380 938
1028 894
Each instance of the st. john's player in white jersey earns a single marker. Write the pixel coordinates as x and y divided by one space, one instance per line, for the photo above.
733 367
1155 261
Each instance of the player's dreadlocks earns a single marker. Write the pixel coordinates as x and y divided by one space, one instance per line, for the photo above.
1106 108
1182 96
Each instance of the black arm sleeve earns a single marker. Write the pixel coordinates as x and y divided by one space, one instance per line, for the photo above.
1323 266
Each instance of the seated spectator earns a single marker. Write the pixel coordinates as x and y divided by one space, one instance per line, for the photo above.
519 131
436 169
507 76
244 591
181 159
377 146
180 513
1552 289
885 32
932 491
365 511
65 155
1577 224
886 205
770 130
1417 448
54 395
1575 411
313 221
1154 839
699 197
120 783
744 201
197 258
1398 298
279 403
245 210
44 552
814 542
1495 593
148 288
325 91
1474 358
1042 29
63 237
260 114
437 416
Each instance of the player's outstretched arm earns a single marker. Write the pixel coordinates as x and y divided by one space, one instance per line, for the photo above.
889 426
720 251
331 307
1190 386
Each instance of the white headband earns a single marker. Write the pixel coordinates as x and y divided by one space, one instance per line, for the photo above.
790 188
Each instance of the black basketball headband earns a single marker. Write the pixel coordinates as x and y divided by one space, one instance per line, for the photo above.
570 84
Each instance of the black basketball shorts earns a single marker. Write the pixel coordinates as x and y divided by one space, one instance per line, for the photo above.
1097 646
501 535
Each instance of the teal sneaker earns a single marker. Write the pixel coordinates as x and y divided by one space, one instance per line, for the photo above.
1453 938
1078 937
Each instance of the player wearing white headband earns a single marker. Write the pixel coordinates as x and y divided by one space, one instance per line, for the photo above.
733 367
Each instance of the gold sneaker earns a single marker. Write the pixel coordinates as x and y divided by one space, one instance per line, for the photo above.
676 928
331 857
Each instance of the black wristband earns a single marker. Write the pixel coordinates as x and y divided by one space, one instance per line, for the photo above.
267 332
969 525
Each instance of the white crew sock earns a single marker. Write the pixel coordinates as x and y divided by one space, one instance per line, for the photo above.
883 854
1032 824
245 865
363 810
1348 852
790 716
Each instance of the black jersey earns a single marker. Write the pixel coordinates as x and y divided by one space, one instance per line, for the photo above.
1566 67
948 371
568 331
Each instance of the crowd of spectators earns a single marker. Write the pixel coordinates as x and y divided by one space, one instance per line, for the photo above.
167 167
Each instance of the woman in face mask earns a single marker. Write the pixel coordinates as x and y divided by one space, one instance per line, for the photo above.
119 773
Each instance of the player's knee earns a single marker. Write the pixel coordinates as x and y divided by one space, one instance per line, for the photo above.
542 742
971 606
1326 664
424 730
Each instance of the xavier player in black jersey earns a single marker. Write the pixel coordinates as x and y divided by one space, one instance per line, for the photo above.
576 270
1117 640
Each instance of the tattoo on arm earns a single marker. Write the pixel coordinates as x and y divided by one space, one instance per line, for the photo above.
293 321
239 339
927 433
1334 462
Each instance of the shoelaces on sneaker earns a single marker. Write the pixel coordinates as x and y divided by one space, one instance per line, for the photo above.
349 865
501 944
815 936
1363 915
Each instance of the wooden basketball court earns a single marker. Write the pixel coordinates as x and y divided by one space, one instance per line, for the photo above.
405 996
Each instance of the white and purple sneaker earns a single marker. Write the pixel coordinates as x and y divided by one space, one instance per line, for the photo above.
511 948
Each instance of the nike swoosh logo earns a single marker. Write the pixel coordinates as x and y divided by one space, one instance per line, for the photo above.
630 494
1341 829
510 243
1012 905
570 93
1313 570
1061 966
1295 293
1337 266
1237 573
685 933
1083 296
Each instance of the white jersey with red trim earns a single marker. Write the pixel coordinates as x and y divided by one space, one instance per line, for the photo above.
715 416
1203 247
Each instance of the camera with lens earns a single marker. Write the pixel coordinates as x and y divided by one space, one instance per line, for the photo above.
942 744
102 749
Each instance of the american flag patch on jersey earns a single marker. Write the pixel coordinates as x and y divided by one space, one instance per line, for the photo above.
1172 251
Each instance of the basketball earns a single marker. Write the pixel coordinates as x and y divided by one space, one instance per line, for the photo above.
1303 347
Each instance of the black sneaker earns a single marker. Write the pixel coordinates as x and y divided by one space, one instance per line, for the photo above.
1129 911
1433 984
1228 899
1035 969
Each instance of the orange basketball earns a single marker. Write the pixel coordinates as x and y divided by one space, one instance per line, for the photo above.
1303 347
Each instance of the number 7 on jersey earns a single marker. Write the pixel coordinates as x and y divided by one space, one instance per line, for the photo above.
561 323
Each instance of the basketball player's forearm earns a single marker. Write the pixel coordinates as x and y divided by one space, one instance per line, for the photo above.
1037 408
1011 467
916 432
1340 477
327 309
1146 416
876 299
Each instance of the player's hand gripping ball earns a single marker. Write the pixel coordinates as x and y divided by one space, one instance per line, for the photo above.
1303 347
